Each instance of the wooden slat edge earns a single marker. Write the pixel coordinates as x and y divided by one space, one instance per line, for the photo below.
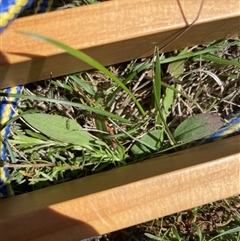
111 32
124 196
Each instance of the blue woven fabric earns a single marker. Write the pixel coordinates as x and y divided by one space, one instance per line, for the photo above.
10 9
231 128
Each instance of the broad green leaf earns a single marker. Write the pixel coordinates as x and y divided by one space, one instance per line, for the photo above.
59 128
197 127
151 139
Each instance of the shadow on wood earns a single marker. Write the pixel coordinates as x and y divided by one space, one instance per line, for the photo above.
111 32
125 196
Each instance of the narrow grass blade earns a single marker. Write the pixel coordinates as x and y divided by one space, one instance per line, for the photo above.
61 85
157 80
157 92
64 102
218 60
83 84
152 237
234 230
87 59
176 69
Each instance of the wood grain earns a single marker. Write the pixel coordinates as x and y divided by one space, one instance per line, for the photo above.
111 32
114 32
124 196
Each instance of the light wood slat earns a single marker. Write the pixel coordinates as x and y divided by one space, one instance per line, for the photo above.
124 196
111 32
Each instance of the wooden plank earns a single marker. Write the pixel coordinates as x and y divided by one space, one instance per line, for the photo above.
111 32
124 196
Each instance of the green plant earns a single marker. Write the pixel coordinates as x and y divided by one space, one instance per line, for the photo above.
43 155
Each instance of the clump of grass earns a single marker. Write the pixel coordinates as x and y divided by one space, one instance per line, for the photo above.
136 114
127 113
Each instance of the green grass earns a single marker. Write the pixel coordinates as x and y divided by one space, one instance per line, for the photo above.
113 116
42 155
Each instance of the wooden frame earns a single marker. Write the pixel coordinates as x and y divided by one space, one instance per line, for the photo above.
136 193
111 32
124 196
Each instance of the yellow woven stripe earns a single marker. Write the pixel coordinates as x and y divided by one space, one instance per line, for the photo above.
8 107
2 175
12 11
231 129
5 116
49 2
6 113
1 145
